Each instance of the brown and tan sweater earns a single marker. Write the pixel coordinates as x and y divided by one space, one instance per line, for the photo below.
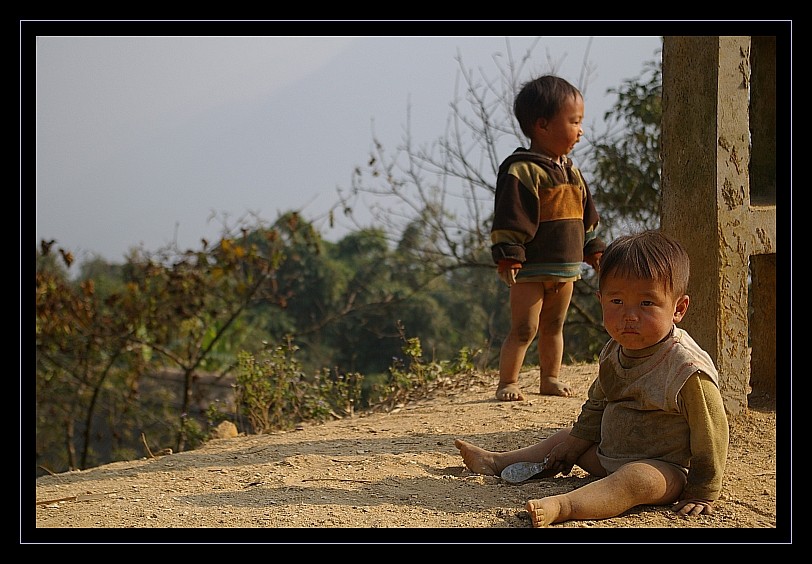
544 216
661 403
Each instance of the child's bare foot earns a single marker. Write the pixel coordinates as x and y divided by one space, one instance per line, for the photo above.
543 511
477 459
509 392
551 386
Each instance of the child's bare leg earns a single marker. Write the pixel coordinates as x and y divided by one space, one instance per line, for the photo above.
525 306
649 482
492 463
556 301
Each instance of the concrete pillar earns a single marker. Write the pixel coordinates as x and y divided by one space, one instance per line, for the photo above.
706 200
763 59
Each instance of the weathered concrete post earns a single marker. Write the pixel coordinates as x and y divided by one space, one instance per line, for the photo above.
706 200
763 184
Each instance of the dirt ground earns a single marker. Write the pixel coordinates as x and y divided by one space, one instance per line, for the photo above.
367 478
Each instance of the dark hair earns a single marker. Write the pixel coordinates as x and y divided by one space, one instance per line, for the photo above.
541 98
650 255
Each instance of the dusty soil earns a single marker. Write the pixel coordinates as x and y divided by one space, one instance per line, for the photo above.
375 473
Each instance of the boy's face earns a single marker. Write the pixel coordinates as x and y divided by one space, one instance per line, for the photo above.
558 136
638 312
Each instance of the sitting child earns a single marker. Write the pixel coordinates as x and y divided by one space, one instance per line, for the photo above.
653 428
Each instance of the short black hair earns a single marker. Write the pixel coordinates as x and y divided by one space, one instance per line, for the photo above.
540 98
650 255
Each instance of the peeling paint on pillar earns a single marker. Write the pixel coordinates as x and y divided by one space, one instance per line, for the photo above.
732 195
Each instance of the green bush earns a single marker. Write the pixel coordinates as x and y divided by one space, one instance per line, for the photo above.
273 392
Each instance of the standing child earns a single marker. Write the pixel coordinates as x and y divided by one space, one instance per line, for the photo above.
543 229
653 427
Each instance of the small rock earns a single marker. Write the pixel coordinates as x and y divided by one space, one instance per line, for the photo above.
225 430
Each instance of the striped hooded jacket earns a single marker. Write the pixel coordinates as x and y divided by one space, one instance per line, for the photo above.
544 218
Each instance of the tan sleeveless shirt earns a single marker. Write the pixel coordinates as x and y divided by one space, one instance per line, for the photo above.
635 409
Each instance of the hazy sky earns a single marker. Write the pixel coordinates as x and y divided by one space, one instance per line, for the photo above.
140 140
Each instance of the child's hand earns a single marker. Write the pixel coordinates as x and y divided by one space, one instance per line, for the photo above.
565 454
508 276
559 460
594 260
693 507
507 270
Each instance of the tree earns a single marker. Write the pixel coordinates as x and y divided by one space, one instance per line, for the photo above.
191 302
159 312
83 350
626 159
